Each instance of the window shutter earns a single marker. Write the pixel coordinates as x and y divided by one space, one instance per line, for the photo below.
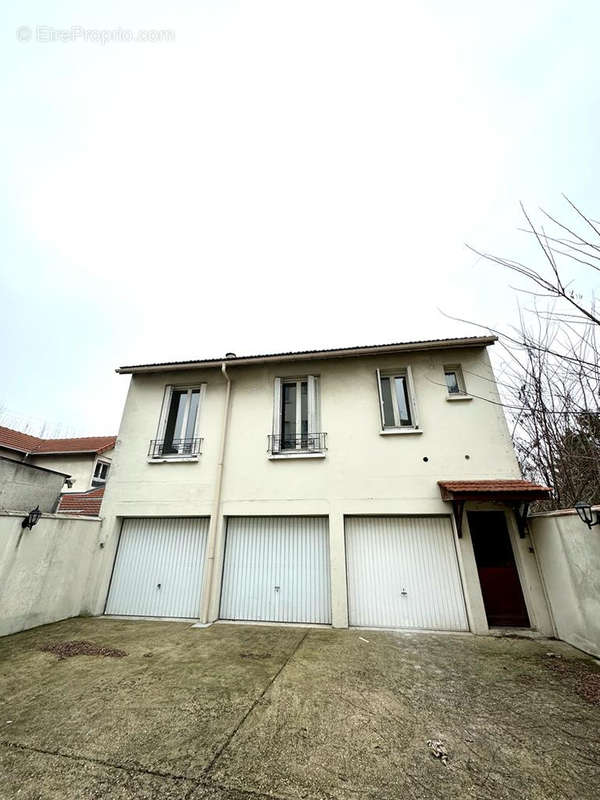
164 412
277 407
380 393
313 409
199 411
412 397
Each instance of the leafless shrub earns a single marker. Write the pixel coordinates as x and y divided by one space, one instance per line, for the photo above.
550 375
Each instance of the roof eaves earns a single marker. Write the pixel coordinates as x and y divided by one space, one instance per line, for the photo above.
306 355
62 452
6 446
95 491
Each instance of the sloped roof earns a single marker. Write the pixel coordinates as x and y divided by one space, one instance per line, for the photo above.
83 444
25 443
339 352
15 440
82 502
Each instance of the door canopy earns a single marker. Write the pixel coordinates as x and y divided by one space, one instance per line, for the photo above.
516 493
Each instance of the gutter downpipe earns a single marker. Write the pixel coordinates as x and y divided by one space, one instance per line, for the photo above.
215 516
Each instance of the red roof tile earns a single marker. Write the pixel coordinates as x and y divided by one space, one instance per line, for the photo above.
496 487
84 444
25 443
82 502
15 440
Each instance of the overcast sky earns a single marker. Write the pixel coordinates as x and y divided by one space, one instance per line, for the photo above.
281 175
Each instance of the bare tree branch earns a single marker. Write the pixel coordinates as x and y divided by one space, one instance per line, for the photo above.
550 387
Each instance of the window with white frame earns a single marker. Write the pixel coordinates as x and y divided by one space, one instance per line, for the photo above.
396 399
100 473
178 427
455 383
296 416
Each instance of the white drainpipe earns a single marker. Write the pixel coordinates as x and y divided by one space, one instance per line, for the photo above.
215 515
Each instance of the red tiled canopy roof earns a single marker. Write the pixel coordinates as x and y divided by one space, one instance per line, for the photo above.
508 489
82 502
25 443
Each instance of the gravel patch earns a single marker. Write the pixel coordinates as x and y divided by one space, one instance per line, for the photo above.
583 678
64 650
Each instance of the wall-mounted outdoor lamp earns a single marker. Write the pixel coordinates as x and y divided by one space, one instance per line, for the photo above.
32 518
585 513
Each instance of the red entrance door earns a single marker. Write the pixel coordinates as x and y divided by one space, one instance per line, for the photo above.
500 585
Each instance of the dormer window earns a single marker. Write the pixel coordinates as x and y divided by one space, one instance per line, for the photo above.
100 473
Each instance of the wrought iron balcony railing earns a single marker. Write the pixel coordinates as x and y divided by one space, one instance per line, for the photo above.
165 448
298 443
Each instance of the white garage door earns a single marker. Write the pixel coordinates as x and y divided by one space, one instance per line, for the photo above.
403 573
159 567
276 569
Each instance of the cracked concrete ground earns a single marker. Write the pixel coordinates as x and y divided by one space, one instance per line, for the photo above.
238 712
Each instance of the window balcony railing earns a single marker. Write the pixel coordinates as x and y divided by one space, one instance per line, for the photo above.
298 443
172 448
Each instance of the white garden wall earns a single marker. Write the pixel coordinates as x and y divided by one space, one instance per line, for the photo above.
44 572
569 560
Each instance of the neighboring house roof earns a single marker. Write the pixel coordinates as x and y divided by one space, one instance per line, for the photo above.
84 444
82 502
15 440
303 355
35 445
501 489
27 465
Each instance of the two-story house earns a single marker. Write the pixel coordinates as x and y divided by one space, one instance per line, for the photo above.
85 459
366 486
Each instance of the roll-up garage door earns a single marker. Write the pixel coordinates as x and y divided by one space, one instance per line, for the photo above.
276 569
403 573
159 567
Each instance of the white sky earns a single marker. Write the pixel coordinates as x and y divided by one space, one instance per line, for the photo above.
284 175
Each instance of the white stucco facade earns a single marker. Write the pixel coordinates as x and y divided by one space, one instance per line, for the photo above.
80 466
363 471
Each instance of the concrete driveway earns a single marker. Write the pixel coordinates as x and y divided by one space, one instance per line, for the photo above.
247 712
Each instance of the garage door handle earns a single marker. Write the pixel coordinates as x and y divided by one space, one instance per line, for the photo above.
276 588
403 592
158 585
